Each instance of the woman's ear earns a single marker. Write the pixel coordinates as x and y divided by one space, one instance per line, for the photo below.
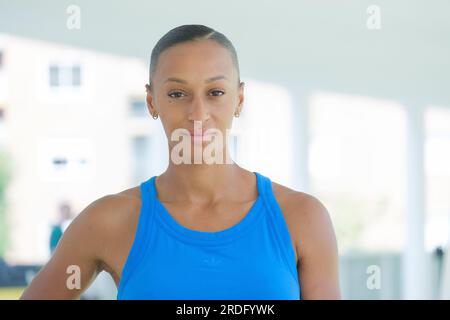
241 95
149 99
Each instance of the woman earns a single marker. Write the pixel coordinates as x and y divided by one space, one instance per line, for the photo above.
201 229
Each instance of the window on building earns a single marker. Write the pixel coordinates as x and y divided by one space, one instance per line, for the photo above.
54 76
59 162
138 108
141 158
65 76
76 75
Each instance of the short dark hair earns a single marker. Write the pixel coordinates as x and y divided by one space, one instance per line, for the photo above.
190 32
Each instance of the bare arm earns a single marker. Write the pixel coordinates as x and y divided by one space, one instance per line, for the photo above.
318 252
76 261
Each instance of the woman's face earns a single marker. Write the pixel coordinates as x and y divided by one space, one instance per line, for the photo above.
195 81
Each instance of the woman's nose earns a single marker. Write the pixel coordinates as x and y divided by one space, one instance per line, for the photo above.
199 110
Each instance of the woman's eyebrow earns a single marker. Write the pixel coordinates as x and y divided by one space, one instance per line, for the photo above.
206 81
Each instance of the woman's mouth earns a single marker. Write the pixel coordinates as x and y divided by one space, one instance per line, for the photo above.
199 133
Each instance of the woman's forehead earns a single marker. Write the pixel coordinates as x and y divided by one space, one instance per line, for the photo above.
204 59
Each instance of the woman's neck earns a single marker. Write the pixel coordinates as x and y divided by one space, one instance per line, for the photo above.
202 183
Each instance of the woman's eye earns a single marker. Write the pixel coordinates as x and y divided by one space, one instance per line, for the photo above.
175 93
179 94
218 91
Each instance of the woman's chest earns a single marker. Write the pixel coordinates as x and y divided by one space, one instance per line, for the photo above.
248 265
205 219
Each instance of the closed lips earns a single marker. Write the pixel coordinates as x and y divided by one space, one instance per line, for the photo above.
199 134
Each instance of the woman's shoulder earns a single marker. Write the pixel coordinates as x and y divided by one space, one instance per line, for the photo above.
115 211
308 220
113 218
296 202
306 215
112 208
109 218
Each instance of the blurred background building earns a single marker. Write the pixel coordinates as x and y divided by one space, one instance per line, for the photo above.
346 101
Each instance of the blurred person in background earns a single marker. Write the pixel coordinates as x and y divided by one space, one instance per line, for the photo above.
65 217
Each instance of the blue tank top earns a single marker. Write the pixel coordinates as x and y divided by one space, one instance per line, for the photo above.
252 260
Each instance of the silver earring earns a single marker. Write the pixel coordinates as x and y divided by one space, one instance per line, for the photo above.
236 114
155 117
